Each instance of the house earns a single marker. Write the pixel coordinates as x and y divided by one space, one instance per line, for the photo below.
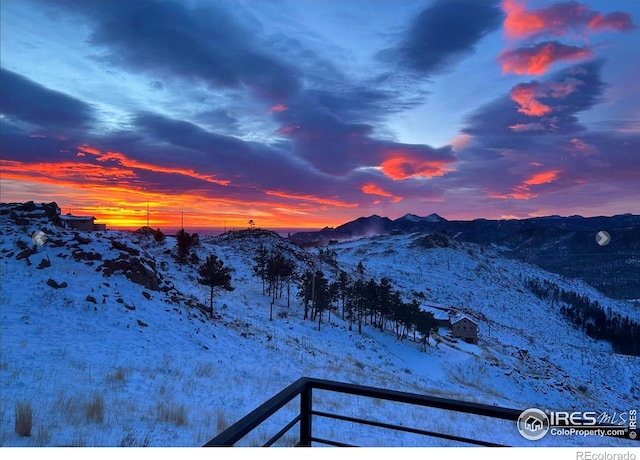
440 314
85 223
465 328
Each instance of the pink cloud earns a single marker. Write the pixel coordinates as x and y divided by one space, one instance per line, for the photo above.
527 94
372 189
615 21
559 19
401 164
277 108
538 59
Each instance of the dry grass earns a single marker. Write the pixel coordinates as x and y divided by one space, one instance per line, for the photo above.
94 409
222 420
24 418
69 406
130 440
43 437
172 412
117 376
204 370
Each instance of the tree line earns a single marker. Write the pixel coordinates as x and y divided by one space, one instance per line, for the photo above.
357 300
589 316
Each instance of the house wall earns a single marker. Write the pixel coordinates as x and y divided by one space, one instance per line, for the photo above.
85 225
465 330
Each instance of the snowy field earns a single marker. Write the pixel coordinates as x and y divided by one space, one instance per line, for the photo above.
142 367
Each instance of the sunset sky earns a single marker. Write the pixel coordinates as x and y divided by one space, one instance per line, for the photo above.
312 113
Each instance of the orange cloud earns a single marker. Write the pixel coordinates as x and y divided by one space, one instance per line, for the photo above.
122 159
519 22
120 203
542 178
372 189
558 19
277 108
582 148
311 198
525 95
287 130
407 164
537 59
65 171
523 191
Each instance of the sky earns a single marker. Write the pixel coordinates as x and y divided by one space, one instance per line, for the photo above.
309 113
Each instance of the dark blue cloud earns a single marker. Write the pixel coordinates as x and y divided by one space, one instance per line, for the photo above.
17 145
245 164
444 33
200 41
188 135
27 101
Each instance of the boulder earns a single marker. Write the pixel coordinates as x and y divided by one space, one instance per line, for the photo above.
137 270
55 285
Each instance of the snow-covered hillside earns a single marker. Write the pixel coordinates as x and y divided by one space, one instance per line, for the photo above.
125 355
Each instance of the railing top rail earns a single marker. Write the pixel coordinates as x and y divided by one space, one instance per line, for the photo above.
411 398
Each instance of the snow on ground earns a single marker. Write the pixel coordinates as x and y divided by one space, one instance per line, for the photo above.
145 367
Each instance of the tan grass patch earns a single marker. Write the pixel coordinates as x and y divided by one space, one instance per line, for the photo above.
24 418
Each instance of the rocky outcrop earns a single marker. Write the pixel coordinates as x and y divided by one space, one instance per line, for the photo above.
24 213
139 270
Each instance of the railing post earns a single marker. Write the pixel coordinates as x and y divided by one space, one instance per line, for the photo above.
305 416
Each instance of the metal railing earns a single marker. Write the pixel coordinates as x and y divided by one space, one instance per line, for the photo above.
304 387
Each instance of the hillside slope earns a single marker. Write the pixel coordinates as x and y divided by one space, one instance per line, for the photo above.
126 355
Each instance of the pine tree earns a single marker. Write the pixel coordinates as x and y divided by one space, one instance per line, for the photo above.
322 299
343 284
260 268
214 274
159 236
305 290
183 243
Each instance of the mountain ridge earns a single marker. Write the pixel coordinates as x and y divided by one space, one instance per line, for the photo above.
563 245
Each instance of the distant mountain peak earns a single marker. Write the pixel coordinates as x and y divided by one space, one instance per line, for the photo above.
433 217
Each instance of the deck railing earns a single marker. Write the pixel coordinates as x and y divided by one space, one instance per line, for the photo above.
304 388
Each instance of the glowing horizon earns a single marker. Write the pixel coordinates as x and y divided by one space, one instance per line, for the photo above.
528 108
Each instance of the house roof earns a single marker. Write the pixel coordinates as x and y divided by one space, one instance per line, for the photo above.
81 218
437 313
461 318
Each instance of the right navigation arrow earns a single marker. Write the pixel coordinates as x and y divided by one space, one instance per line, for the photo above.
603 238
